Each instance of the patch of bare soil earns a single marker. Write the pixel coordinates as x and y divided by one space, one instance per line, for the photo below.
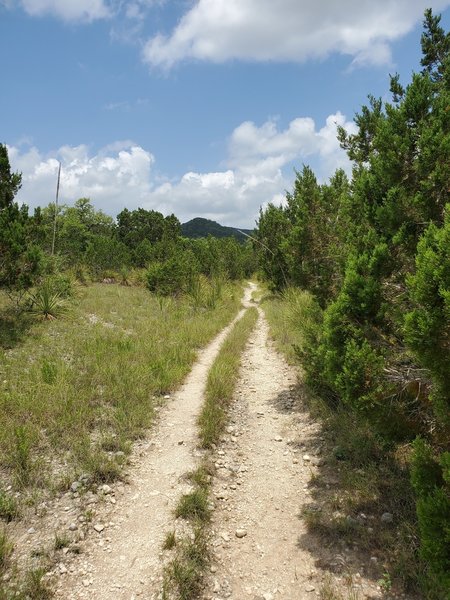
261 549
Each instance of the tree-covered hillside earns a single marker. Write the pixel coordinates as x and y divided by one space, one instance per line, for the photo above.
200 227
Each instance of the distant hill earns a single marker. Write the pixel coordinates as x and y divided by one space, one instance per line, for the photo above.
199 227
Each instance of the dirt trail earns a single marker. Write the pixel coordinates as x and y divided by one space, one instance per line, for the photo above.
261 549
261 484
123 559
264 463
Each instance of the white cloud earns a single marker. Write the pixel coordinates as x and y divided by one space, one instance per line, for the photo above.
117 176
68 10
122 174
86 11
287 30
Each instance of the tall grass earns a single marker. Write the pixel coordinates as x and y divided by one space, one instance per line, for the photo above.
74 391
292 316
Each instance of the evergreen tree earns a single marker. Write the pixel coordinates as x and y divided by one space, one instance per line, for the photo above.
19 260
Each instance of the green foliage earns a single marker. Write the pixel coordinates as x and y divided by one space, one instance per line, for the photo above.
105 254
49 300
174 275
433 513
427 325
273 225
19 259
203 228
138 225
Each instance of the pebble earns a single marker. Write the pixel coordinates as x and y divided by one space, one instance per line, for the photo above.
99 527
306 458
387 517
309 588
278 439
75 486
225 537
73 527
240 533
106 489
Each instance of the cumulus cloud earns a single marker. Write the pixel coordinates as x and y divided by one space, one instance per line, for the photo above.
265 148
118 176
287 30
257 171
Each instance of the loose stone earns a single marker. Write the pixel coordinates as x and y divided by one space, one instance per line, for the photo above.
240 533
387 517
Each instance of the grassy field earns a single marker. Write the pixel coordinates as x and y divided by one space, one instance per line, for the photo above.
77 390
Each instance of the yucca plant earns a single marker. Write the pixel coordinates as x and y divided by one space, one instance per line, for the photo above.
47 302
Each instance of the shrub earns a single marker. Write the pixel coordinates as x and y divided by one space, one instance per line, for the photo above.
174 275
431 481
426 325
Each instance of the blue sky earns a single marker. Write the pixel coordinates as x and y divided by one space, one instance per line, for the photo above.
201 108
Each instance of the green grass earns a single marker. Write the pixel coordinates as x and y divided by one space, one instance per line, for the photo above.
194 506
9 509
77 389
170 541
184 574
34 587
222 379
290 316
62 540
